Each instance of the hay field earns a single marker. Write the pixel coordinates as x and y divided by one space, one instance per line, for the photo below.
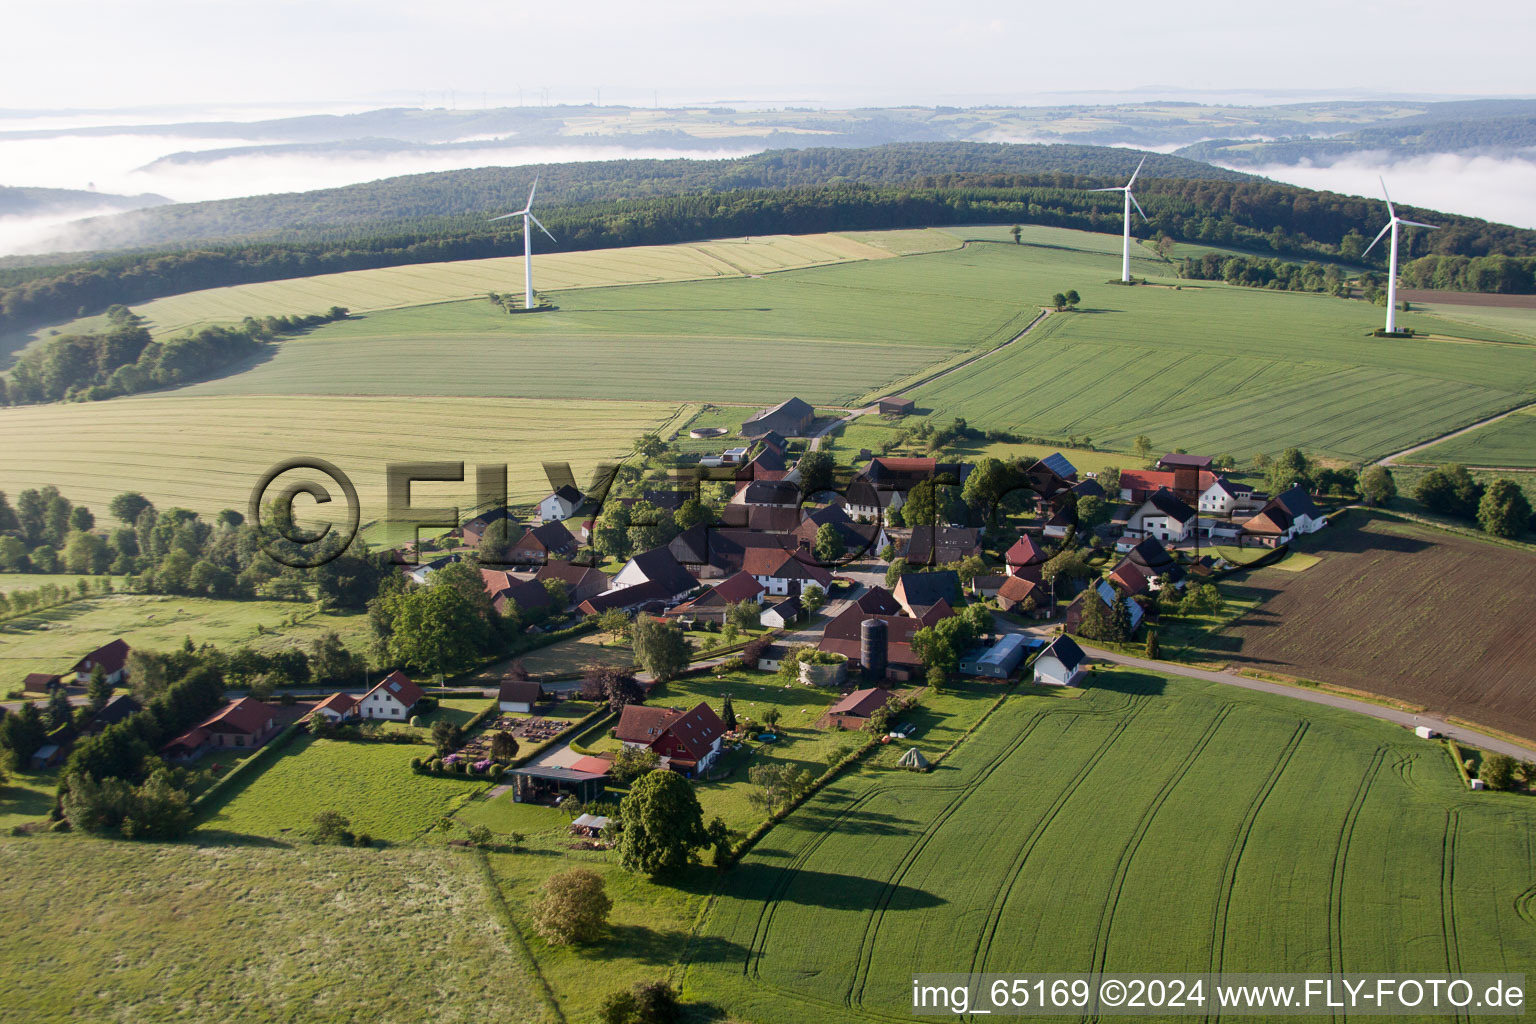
1154 825
1509 442
207 453
423 283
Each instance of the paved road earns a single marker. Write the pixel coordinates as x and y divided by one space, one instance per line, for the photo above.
1460 733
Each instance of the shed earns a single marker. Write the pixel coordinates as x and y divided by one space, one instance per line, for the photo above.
896 406
589 824
996 661
1424 732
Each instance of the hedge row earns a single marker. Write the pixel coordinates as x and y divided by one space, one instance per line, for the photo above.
435 768
249 766
1461 762
750 840
602 725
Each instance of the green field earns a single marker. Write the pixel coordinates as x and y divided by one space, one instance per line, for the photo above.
207 453
1509 442
370 783
829 335
1218 368
424 283
1153 825
197 932
1512 321
53 639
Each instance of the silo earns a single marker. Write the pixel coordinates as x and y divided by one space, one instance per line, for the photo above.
873 648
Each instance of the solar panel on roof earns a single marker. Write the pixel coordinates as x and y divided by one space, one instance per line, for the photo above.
1059 465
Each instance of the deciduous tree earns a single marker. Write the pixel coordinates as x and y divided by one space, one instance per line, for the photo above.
572 907
662 824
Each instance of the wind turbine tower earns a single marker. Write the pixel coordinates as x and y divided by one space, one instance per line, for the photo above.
1392 226
1125 259
527 214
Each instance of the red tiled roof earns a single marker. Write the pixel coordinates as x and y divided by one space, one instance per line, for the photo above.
1024 552
693 733
1016 588
594 765
861 703
340 703
399 686
640 724
246 715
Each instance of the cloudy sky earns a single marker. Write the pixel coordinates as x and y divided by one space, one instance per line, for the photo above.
105 53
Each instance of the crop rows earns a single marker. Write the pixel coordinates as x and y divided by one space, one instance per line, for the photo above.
1178 830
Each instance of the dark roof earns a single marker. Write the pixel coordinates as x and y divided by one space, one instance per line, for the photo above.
568 493
771 492
695 731
111 657
1085 488
565 572
521 691
627 598
782 418
774 439
484 519
789 608
522 593
877 601
1058 464
921 589
942 545
551 536
38 682
897 402
553 774
659 567
116 709
1179 460
1066 651
1171 505
771 519
1150 554
1297 502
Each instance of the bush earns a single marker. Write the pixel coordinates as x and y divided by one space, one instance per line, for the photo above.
363 839
437 764
651 1003
1498 771
331 828
573 907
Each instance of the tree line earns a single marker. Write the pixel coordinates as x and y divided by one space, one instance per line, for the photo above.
124 359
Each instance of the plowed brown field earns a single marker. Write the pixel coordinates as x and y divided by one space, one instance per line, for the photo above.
1402 611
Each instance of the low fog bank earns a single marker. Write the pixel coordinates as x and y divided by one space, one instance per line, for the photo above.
1501 189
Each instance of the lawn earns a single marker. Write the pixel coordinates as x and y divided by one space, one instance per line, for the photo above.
1152 825
571 657
1509 442
207 453
27 797
370 783
55 638
198 932
10 582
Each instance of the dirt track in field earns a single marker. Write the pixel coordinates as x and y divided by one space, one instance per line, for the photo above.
1402 611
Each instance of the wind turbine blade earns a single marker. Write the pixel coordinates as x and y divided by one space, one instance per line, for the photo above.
1414 223
1375 240
1139 210
532 191
506 215
1117 188
1136 172
542 228
1390 211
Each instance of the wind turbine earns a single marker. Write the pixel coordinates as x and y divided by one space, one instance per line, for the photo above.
1392 271
527 214
1125 260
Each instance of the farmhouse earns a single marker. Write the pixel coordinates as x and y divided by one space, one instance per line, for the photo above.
1024 554
509 591
1283 517
561 503
1105 593
1061 663
541 543
393 698
917 592
1024 596
942 545
864 500
111 657
770 493
857 537
519 695
714 603
473 531
688 741
1136 486
844 635
243 723
791 418
781 573
651 577
420 573
1163 516
1180 460
1223 497
854 710
581 581
115 710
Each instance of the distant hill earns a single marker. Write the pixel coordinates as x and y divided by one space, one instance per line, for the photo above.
37 202
1492 136
446 195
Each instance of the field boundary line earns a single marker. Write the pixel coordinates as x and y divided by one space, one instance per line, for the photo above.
1390 460
500 909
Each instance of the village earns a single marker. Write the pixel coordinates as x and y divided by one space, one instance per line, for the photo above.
874 585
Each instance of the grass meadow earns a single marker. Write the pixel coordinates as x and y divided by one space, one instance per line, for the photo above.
53 639
1152 825
207 453
261 932
370 783
1512 321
